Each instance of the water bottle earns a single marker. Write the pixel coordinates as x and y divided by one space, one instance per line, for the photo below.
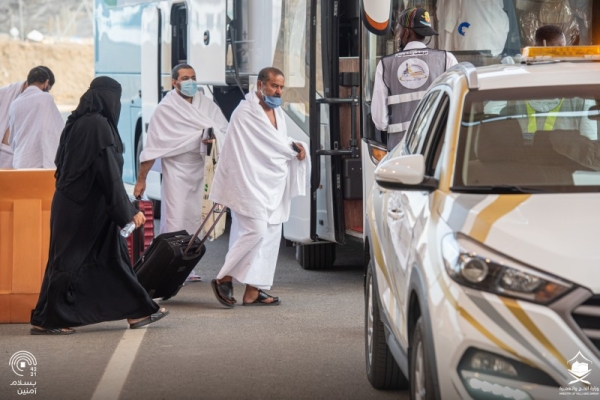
128 229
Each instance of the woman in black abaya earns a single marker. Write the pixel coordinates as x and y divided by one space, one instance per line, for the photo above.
89 278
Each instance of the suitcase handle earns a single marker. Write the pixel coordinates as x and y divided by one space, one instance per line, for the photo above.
202 226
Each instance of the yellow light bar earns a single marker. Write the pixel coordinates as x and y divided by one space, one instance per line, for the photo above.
555 53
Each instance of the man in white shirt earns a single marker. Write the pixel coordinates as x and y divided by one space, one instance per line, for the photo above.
35 123
401 79
176 135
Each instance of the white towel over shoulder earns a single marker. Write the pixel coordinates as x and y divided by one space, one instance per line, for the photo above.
35 128
258 172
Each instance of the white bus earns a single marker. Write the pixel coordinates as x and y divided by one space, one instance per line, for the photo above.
328 51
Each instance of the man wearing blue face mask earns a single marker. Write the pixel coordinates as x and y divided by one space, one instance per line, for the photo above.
176 135
261 169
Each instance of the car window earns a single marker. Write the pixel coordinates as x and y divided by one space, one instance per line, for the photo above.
421 121
434 140
543 140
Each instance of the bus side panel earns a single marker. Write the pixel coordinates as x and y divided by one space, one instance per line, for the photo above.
118 55
297 228
130 112
207 22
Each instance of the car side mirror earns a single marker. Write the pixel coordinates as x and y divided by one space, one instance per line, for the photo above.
405 172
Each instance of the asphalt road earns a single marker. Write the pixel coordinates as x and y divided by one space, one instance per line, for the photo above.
310 347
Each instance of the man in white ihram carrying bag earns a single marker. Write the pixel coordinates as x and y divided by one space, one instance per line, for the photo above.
177 136
260 170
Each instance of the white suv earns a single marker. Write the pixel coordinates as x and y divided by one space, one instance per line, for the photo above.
483 236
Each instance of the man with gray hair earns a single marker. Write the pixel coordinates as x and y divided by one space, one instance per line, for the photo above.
260 169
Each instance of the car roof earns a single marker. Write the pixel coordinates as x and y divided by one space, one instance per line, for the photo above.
505 76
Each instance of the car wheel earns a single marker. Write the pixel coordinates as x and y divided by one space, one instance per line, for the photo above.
382 370
315 256
421 378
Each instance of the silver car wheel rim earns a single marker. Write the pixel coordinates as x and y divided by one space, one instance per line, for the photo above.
370 321
419 372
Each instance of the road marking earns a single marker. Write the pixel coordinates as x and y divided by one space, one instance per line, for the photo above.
118 367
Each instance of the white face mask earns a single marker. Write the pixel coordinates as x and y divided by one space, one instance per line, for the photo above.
188 88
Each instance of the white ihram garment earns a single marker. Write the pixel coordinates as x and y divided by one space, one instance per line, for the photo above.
253 251
257 177
175 136
7 95
6 156
35 128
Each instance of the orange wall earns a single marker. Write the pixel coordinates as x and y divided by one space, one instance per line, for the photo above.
25 199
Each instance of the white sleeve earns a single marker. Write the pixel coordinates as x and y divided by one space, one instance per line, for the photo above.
51 137
450 60
379 108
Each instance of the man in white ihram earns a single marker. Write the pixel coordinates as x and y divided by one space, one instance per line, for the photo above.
8 94
177 133
259 172
35 124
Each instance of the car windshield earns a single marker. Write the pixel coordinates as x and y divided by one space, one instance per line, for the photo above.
529 140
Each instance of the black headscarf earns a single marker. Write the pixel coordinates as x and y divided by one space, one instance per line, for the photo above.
87 132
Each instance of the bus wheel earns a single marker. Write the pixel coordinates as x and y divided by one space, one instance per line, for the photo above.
315 256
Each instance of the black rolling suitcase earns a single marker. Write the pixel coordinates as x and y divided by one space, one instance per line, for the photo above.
165 265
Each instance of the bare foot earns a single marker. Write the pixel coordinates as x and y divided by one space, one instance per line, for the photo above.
253 295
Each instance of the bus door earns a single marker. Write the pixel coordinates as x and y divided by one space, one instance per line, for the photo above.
334 127
308 52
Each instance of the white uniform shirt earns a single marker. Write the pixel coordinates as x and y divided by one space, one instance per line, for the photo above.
379 107
472 25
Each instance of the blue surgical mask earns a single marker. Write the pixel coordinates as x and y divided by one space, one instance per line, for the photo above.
188 88
271 101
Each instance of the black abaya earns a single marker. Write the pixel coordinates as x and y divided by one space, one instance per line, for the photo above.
89 278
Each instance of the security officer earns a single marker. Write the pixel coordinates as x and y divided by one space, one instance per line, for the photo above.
401 79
